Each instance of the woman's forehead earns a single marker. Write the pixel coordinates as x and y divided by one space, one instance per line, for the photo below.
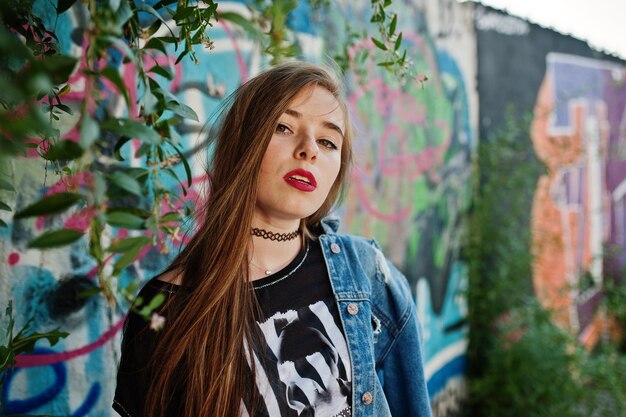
318 102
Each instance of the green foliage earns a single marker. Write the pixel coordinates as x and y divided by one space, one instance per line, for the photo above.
528 356
615 304
36 81
498 247
24 341
390 42
273 15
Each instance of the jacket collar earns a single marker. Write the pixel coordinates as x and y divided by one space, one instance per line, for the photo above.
330 224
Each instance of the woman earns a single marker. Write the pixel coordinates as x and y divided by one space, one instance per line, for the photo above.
269 312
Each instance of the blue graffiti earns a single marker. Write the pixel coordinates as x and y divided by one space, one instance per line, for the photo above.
49 394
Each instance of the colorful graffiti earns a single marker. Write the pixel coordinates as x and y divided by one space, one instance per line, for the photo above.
409 190
578 132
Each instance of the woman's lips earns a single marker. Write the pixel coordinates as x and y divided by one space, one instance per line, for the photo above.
301 179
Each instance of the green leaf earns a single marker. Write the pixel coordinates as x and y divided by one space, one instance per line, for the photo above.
7 358
55 203
156 43
386 64
157 69
138 301
149 9
114 76
64 108
126 220
138 173
89 131
143 149
126 259
126 182
183 13
89 292
154 27
396 46
53 336
3 224
125 244
55 238
169 39
185 164
379 44
165 93
181 56
392 25
242 22
156 301
5 185
65 150
376 18
133 129
182 110
5 207
170 217
58 67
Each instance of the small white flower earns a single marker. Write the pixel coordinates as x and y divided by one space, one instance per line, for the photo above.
157 322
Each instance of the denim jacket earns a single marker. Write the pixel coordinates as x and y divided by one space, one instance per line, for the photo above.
380 322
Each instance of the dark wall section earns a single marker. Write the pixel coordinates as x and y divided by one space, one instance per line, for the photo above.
512 63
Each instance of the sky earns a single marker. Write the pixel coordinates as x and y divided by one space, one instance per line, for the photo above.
602 23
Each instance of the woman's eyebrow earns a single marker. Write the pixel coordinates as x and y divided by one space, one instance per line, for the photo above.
326 123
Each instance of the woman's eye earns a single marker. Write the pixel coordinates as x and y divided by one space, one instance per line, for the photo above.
327 144
282 128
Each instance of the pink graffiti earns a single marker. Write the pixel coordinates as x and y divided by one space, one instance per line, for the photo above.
365 200
13 258
28 361
397 109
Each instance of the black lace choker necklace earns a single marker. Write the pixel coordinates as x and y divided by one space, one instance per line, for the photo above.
278 237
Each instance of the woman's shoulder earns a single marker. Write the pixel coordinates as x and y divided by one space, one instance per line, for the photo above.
167 283
386 279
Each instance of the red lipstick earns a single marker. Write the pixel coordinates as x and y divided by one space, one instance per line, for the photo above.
301 179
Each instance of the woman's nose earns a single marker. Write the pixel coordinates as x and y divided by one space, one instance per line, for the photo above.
307 148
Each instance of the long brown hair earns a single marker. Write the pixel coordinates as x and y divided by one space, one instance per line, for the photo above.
204 340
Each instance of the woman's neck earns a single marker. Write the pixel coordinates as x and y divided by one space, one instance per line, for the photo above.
273 248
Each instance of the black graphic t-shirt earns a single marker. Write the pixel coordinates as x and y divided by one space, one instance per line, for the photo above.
302 364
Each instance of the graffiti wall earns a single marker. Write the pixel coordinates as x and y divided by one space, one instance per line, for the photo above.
578 218
576 98
410 189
